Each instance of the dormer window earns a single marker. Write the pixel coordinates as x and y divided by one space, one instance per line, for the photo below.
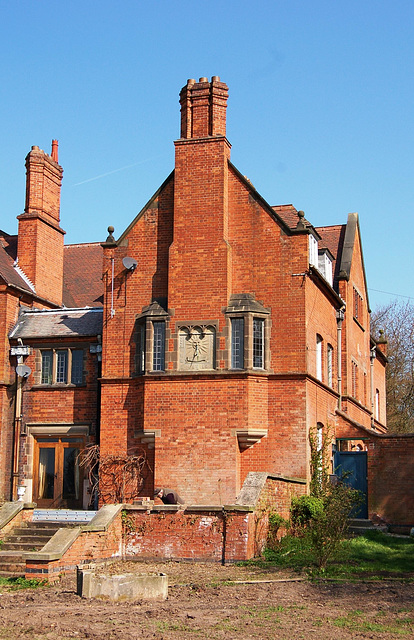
313 250
325 264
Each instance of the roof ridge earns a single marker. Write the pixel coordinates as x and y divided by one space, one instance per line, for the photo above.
64 310
82 244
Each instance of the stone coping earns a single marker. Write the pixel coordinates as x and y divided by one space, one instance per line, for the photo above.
56 546
104 518
8 511
287 478
60 542
191 508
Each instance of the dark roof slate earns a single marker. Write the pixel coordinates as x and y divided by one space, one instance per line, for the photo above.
58 323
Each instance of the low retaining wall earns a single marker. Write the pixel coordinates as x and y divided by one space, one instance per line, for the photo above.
210 533
227 533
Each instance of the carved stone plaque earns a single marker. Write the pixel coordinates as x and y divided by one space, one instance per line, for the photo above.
197 348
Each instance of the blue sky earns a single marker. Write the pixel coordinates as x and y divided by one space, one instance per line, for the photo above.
320 110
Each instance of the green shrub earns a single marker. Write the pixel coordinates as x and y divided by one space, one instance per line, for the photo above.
328 527
276 522
303 510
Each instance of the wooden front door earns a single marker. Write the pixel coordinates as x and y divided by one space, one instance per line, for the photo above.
58 481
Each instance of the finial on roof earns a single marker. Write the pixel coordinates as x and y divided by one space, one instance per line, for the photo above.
382 339
110 237
301 223
54 154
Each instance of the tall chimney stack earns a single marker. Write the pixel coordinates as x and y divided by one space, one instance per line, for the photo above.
40 237
201 178
203 108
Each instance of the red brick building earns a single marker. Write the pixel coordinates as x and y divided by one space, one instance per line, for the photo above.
51 323
230 329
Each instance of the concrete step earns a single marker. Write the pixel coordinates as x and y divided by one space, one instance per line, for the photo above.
19 572
359 526
23 546
38 527
29 535
11 562
32 536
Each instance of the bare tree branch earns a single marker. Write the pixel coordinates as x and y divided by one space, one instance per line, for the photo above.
397 321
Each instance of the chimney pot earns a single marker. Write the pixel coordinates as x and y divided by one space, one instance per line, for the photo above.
54 154
215 79
203 80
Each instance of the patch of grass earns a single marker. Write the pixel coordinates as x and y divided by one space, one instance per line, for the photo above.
226 625
264 613
375 552
163 626
12 584
374 555
355 621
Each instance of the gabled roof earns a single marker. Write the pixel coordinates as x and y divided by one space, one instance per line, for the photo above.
82 275
9 272
332 238
82 272
351 232
288 213
58 323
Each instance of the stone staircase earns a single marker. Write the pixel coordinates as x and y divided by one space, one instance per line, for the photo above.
29 537
359 526
32 536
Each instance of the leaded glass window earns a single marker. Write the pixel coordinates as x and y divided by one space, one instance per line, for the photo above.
237 343
258 343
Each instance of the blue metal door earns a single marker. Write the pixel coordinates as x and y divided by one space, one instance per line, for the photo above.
353 466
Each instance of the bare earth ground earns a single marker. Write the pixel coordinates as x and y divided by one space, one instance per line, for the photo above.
205 601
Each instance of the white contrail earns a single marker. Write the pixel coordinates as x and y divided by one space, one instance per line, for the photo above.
128 166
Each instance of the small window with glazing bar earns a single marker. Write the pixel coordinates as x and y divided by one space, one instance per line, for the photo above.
62 366
258 343
158 363
237 343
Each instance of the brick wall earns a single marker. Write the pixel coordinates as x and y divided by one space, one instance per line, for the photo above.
233 533
390 479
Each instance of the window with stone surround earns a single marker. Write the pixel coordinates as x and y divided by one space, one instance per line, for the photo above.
258 343
150 339
158 351
248 331
354 387
237 343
